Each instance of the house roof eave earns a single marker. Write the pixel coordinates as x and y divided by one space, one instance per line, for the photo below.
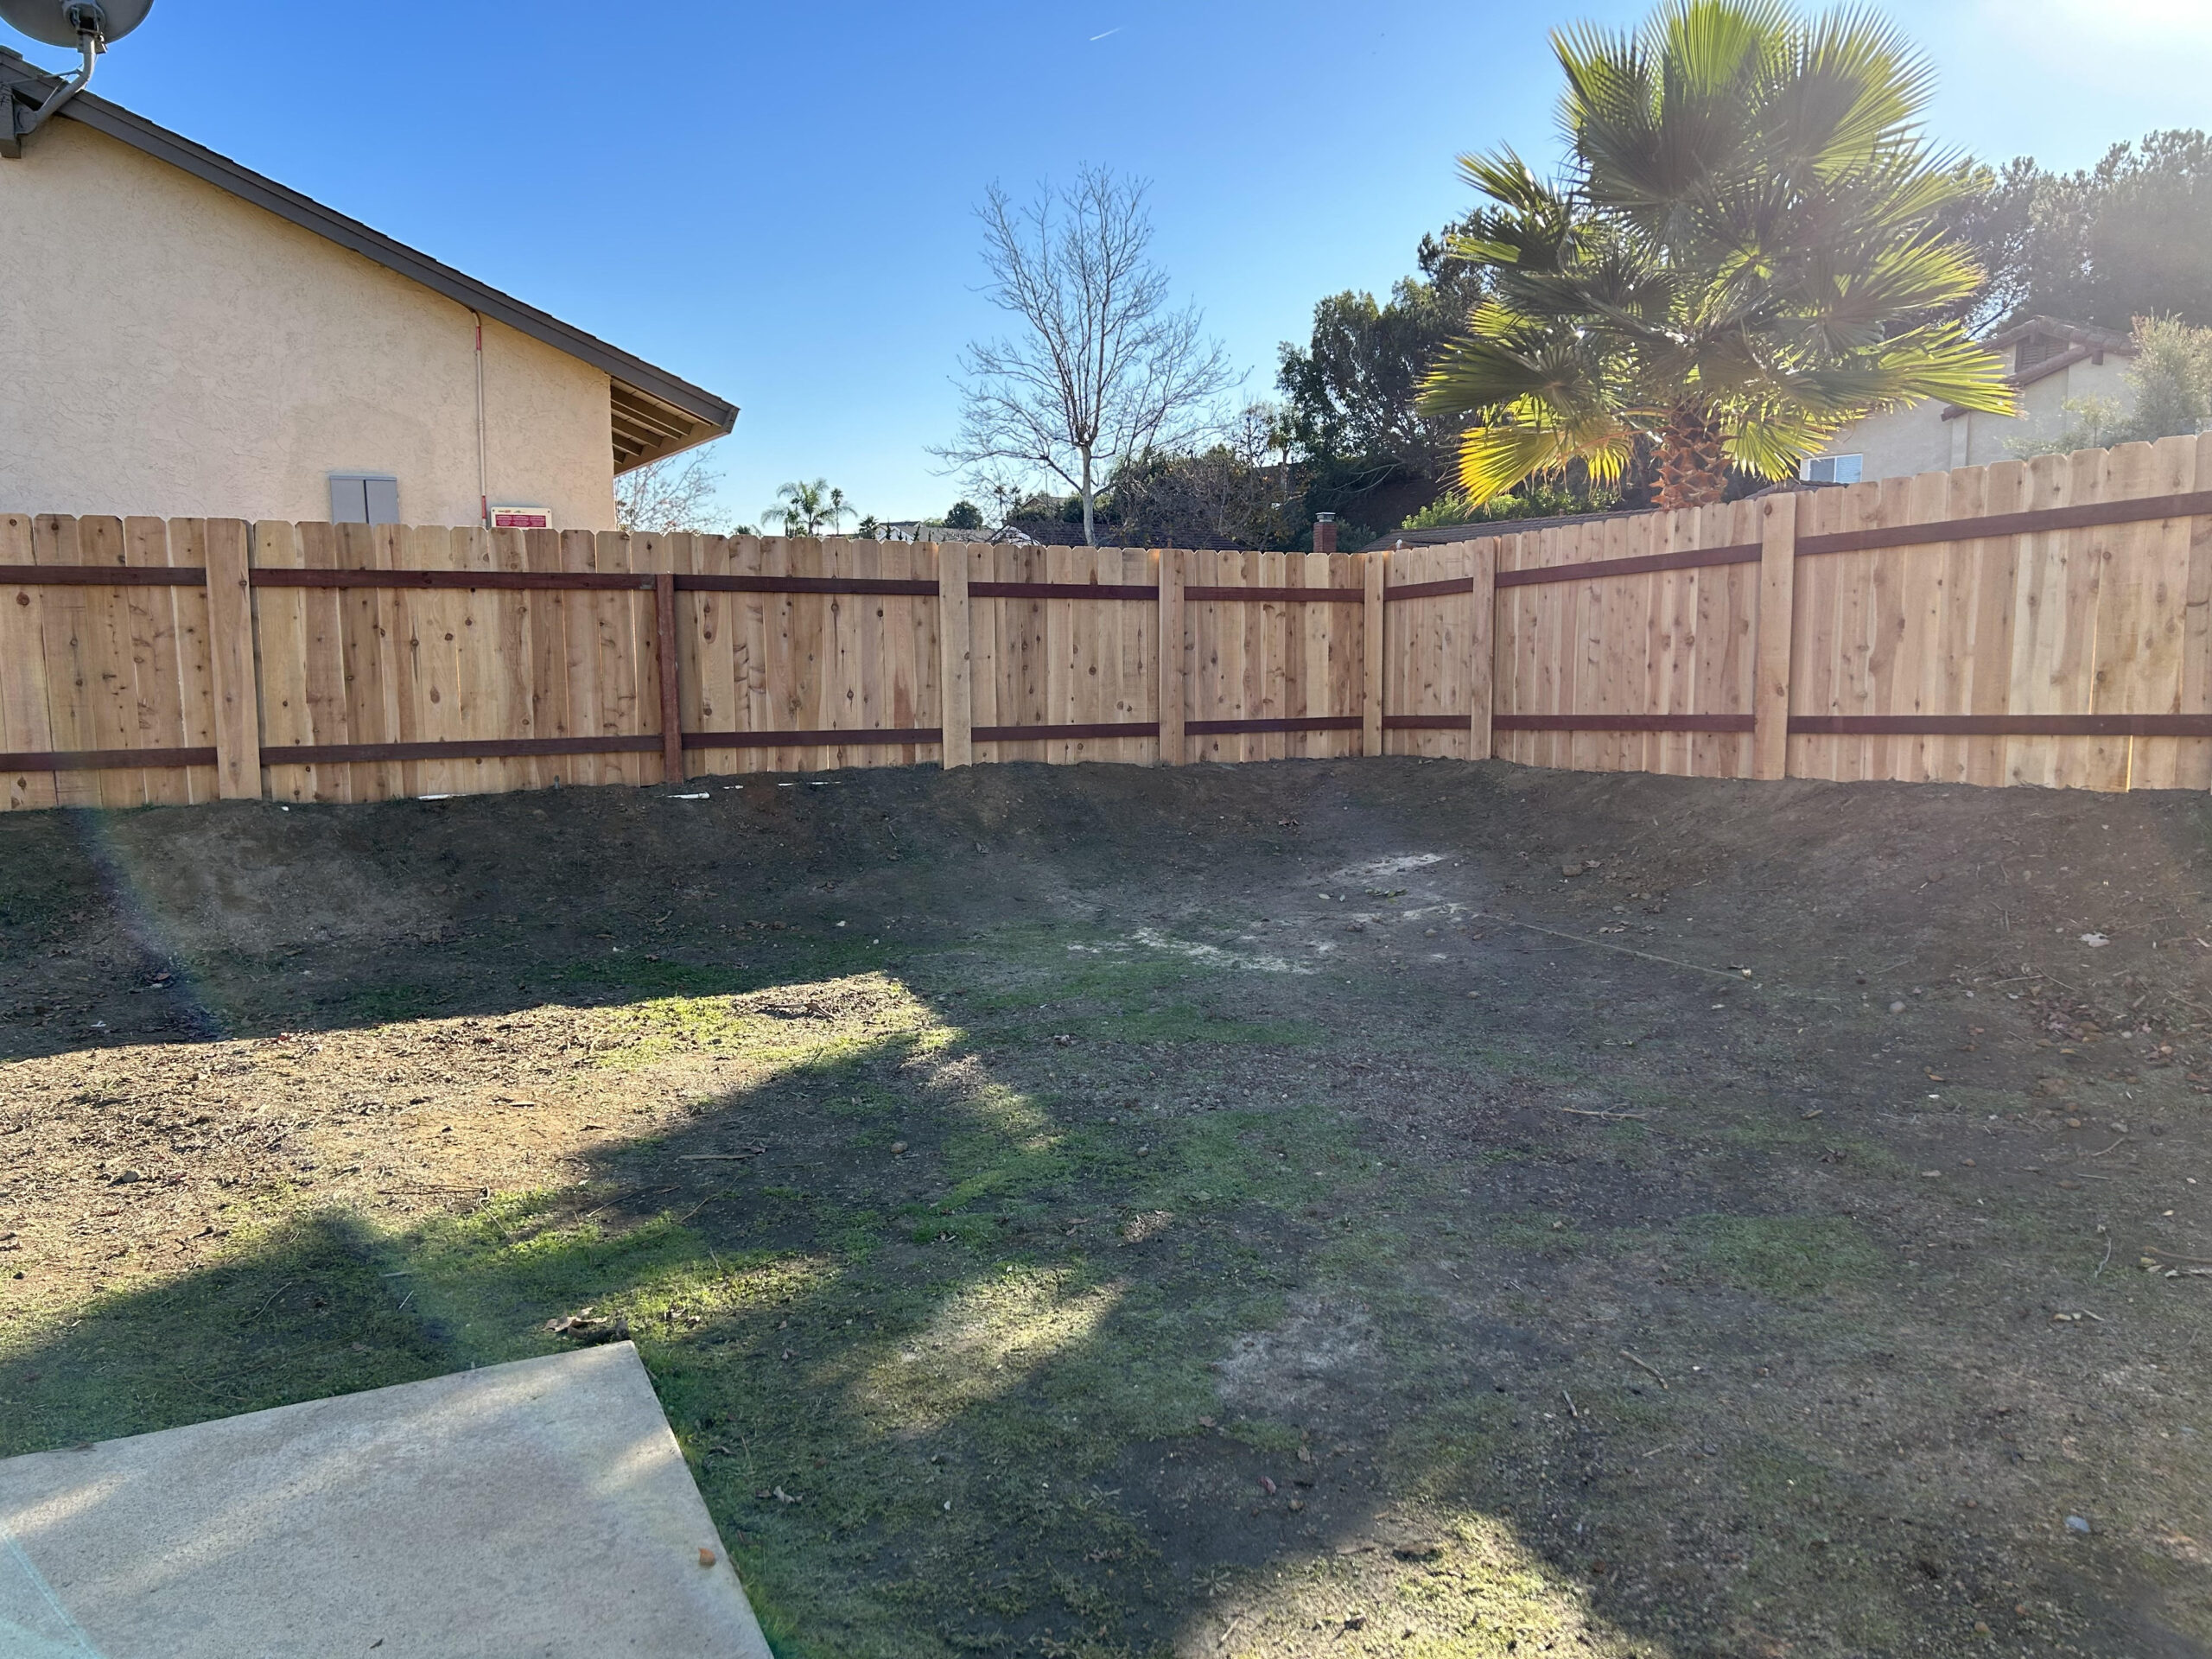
701 406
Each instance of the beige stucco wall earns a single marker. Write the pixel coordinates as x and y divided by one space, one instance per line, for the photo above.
1918 439
171 350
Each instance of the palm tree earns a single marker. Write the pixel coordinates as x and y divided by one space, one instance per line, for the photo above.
1741 258
804 507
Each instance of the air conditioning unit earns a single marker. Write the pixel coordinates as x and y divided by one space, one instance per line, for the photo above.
522 518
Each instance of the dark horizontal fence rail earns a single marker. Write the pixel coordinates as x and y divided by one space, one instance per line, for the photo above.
866 737
1278 595
101 576
2038 521
105 759
1428 589
2001 725
1621 722
1048 734
1690 558
496 580
2090 515
460 748
1246 728
703 583
1060 590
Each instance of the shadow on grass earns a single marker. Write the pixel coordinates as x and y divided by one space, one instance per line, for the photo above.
968 1354
967 1396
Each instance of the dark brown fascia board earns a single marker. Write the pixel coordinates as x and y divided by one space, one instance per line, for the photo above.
246 185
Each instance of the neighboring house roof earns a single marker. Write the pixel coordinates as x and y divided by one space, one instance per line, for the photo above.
655 413
2064 344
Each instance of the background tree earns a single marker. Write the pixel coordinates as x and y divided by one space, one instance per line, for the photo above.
804 509
1231 494
1350 391
2129 237
665 497
1743 257
1101 369
963 515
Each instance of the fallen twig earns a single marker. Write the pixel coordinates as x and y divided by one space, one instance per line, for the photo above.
1644 1365
2176 1255
1578 1111
1571 1410
2099 1154
1577 938
273 1295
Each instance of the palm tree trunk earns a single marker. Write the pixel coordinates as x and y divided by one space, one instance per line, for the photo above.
1693 458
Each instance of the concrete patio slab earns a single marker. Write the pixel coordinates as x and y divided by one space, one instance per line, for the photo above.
536 1510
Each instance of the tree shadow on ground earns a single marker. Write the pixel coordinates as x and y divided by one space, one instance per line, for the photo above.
961 1397
965 1365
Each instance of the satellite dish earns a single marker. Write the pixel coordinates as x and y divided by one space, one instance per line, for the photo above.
65 22
88 25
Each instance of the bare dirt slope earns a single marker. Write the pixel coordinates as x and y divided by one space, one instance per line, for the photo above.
1397 1207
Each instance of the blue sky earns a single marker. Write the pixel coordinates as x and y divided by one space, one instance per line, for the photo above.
776 201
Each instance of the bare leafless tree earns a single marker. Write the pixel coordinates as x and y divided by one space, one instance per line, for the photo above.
665 497
1101 369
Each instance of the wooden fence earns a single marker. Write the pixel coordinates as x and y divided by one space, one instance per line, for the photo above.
2041 622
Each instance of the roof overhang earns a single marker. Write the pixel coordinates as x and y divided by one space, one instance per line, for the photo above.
2083 345
654 413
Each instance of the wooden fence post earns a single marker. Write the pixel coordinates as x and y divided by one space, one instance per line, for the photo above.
956 649
1481 647
231 662
1371 711
672 702
1778 605
1174 669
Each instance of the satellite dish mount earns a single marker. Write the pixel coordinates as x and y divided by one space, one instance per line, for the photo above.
88 25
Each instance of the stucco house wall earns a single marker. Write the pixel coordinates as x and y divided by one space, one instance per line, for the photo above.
173 350
1917 439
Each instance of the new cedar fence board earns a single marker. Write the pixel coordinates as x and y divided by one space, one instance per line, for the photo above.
2044 622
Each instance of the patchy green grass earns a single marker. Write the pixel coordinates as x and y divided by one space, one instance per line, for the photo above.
1788 1257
